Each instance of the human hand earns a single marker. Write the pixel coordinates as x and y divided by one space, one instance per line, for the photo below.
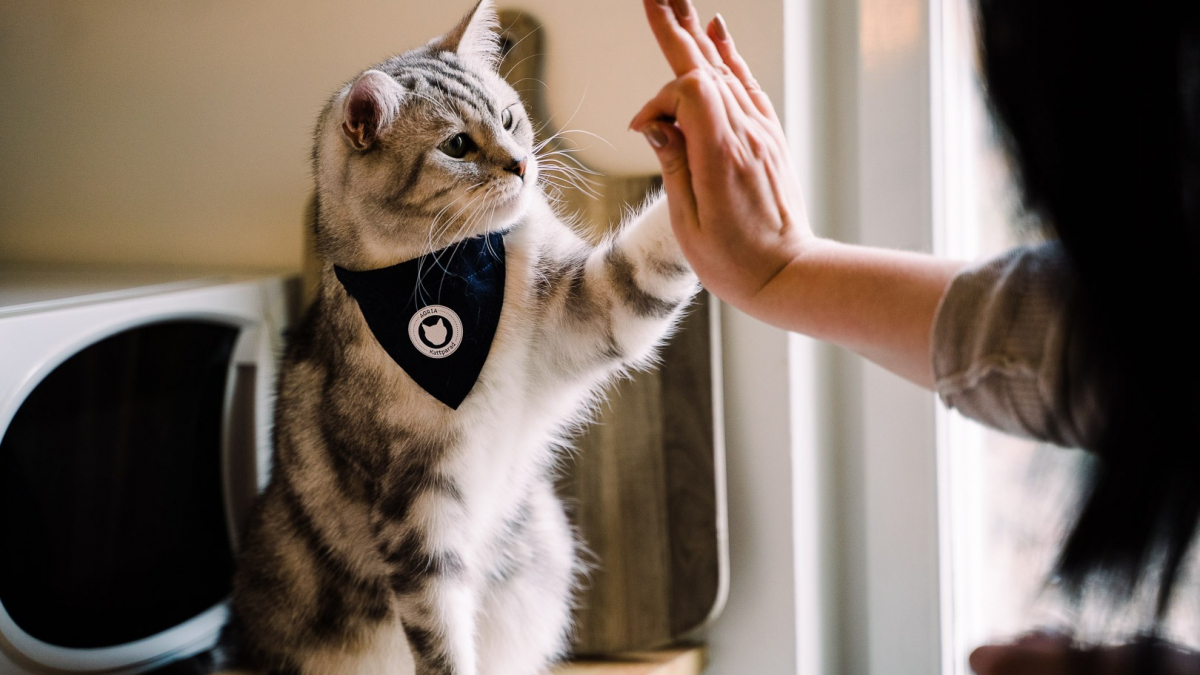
735 202
738 213
1056 654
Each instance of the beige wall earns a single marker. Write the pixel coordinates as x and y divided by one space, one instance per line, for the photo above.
178 132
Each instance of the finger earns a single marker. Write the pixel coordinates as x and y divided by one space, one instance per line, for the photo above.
694 103
688 48
703 109
729 85
668 144
716 28
689 20
736 109
676 43
718 32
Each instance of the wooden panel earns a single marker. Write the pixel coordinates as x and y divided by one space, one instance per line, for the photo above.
617 498
641 489
690 472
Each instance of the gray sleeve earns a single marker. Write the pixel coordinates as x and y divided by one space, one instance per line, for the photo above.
1002 348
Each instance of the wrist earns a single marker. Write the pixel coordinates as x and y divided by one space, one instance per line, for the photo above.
779 299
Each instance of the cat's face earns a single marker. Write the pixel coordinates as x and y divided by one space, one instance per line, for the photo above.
426 149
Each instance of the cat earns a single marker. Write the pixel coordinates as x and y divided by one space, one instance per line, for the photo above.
405 529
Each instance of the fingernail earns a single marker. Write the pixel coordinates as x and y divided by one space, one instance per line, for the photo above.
682 8
722 29
655 136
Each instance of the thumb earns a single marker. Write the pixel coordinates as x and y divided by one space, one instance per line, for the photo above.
668 143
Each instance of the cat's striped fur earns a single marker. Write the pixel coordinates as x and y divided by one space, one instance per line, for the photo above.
398 535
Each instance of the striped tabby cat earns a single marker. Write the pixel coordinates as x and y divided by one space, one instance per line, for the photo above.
408 532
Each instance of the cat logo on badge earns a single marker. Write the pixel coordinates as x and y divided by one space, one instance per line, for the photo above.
436 331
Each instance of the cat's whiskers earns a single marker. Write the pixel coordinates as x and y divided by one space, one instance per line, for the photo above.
531 79
565 162
577 173
470 217
518 63
560 136
539 127
567 177
490 184
582 183
514 46
451 220
421 272
568 162
561 184
550 118
569 154
434 233
562 169
586 133
468 222
487 243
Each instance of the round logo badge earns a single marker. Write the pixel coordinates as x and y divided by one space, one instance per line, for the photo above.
436 331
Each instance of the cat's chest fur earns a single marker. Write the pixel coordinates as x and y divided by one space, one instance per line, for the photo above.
503 436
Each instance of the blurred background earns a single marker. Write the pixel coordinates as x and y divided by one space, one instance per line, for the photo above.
871 531
178 132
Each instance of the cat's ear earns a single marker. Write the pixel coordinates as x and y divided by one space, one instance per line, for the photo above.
476 38
370 107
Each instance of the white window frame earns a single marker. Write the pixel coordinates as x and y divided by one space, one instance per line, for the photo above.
860 93
835 532
890 574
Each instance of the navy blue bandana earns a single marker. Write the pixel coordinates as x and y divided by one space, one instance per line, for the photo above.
436 315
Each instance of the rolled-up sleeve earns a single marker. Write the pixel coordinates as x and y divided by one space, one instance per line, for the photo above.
1002 348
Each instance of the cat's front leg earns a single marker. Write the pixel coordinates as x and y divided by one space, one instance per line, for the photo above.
439 624
430 576
649 279
525 607
613 304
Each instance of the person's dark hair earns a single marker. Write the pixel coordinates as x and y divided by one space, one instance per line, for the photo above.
1099 104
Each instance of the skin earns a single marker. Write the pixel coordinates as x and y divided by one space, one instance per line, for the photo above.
737 210
1054 654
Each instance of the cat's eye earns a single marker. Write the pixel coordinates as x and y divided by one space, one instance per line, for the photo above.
506 118
457 146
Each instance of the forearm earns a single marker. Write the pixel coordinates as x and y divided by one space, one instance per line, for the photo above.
876 302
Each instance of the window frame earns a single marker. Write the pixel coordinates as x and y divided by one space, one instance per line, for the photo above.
869 132
836 537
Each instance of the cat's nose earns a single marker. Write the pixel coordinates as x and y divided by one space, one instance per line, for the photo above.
518 167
